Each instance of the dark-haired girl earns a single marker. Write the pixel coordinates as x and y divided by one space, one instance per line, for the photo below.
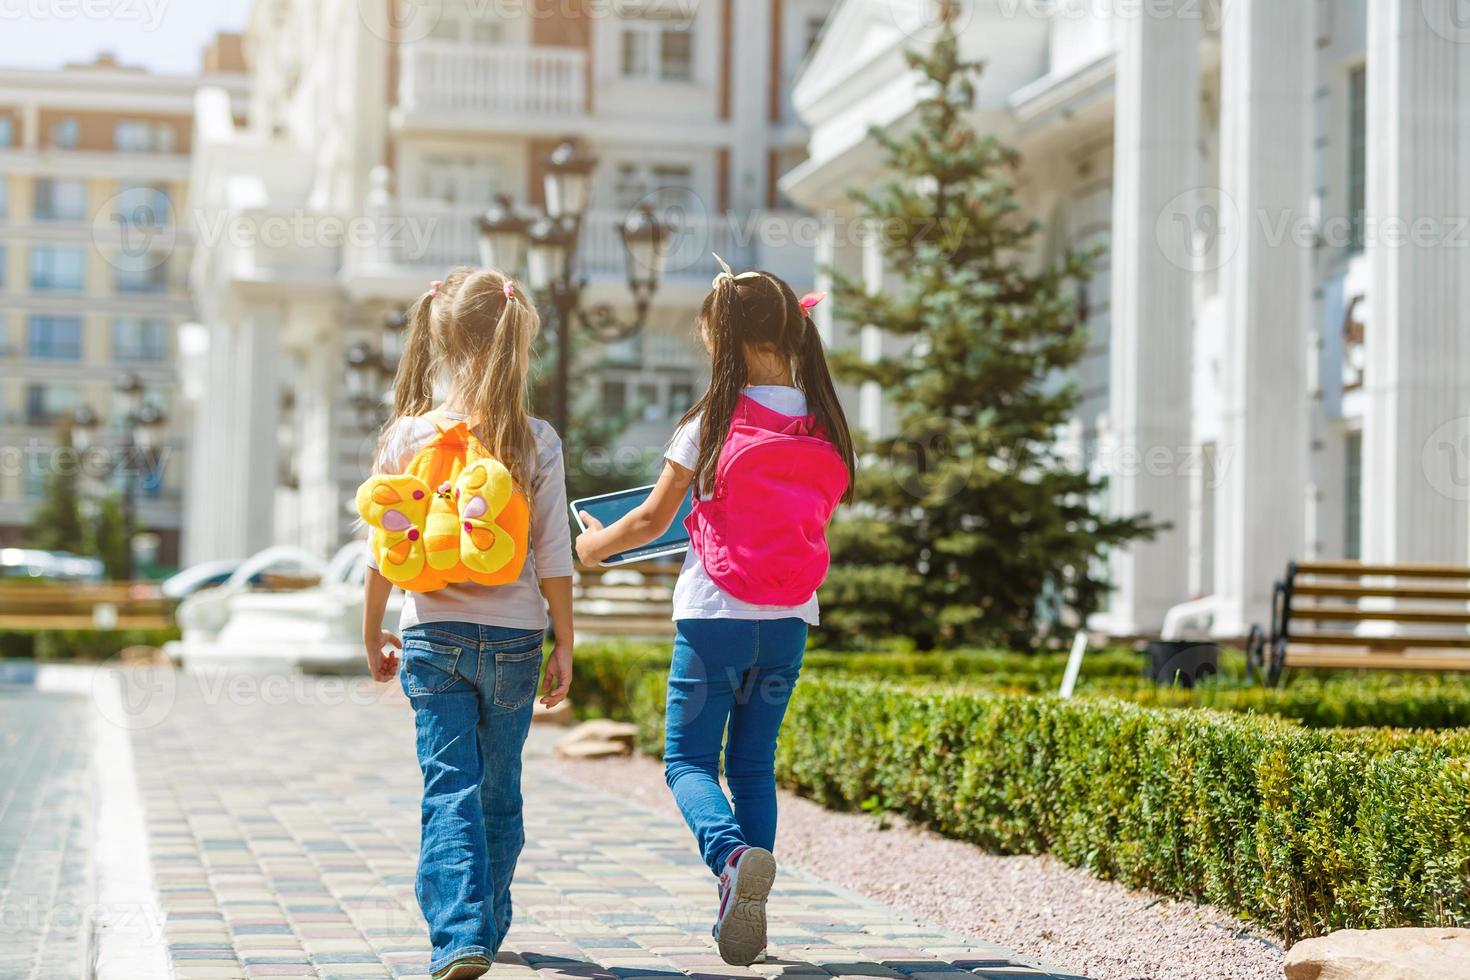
768 451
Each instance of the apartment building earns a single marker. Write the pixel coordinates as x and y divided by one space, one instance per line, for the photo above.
380 132
94 257
1280 352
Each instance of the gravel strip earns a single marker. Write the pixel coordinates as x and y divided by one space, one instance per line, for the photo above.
1036 906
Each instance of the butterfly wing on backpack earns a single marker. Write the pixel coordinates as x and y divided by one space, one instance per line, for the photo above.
454 515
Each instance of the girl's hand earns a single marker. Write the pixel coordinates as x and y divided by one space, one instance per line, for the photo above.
558 677
383 666
587 550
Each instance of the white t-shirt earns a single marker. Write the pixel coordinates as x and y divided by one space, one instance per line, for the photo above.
696 596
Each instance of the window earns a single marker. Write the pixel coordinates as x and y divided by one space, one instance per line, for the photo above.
614 396
681 396
657 49
139 339
459 180
649 406
7 131
470 28
61 200
143 136
65 134
142 205
1352 509
54 338
144 272
57 268
658 184
1357 153
47 403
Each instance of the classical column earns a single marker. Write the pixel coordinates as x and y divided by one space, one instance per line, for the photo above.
1156 164
1266 84
1416 440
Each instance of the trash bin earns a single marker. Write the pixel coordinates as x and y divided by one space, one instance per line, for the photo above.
1182 662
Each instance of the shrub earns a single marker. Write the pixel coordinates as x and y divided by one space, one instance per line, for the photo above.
1304 831
49 644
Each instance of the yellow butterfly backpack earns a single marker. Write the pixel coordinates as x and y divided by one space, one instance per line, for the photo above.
454 515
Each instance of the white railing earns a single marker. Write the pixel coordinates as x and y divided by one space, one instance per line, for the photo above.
500 79
433 236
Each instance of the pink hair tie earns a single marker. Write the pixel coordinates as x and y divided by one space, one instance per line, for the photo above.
434 287
510 289
810 300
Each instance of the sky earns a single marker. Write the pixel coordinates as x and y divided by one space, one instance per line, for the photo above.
166 36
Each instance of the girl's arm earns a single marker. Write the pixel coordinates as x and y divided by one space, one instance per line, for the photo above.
558 679
642 524
375 592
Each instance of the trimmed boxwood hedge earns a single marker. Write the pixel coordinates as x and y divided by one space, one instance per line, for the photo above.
85 645
1302 830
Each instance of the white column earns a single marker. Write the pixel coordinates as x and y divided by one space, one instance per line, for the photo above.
1266 176
750 93
1415 481
1156 162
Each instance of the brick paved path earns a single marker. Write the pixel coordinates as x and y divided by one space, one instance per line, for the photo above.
283 822
45 832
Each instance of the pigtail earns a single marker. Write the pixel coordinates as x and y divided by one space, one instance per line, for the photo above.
716 406
502 323
821 397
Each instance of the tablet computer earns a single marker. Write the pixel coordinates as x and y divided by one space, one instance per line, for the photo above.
609 507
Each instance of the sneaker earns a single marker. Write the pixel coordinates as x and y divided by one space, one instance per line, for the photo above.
740 929
465 968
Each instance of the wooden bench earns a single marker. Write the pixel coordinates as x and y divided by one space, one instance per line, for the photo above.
628 602
1345 615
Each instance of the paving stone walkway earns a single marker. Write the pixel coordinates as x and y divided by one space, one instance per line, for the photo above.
45 833
283 823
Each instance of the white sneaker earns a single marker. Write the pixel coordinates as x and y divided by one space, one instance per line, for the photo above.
740 928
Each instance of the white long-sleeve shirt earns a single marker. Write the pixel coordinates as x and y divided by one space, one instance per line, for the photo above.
518 604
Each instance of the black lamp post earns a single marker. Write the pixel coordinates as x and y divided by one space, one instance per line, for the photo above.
143 426
548 244
371 368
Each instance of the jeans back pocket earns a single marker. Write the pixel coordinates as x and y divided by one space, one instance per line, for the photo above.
516 675
429 667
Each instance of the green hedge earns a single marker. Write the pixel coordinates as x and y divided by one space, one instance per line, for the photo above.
1304 831
607 676
88 645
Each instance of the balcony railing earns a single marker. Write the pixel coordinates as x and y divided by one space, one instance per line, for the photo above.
499 79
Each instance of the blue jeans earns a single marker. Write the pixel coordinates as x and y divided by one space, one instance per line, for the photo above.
740 673
471 688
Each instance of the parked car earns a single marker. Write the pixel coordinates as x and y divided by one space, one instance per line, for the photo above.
58 565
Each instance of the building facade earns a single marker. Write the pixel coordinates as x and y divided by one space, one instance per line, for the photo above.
94 258
379 132
1280 355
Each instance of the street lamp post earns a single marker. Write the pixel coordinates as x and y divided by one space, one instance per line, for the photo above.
371 368
548 244
142 431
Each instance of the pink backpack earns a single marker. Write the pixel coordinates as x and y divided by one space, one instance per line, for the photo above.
762 535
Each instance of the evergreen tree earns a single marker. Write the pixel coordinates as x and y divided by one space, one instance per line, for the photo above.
972 527
111 538
56 523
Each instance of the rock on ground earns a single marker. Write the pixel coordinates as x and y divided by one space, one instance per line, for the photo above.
1382 954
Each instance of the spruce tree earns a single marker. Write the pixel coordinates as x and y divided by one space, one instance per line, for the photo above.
56 523
972 528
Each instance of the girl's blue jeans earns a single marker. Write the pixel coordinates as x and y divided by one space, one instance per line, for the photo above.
735 675
471 688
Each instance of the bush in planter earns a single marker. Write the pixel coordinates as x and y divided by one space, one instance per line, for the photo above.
1305 831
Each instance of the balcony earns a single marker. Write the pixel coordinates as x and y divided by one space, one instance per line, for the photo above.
480 86
420 240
